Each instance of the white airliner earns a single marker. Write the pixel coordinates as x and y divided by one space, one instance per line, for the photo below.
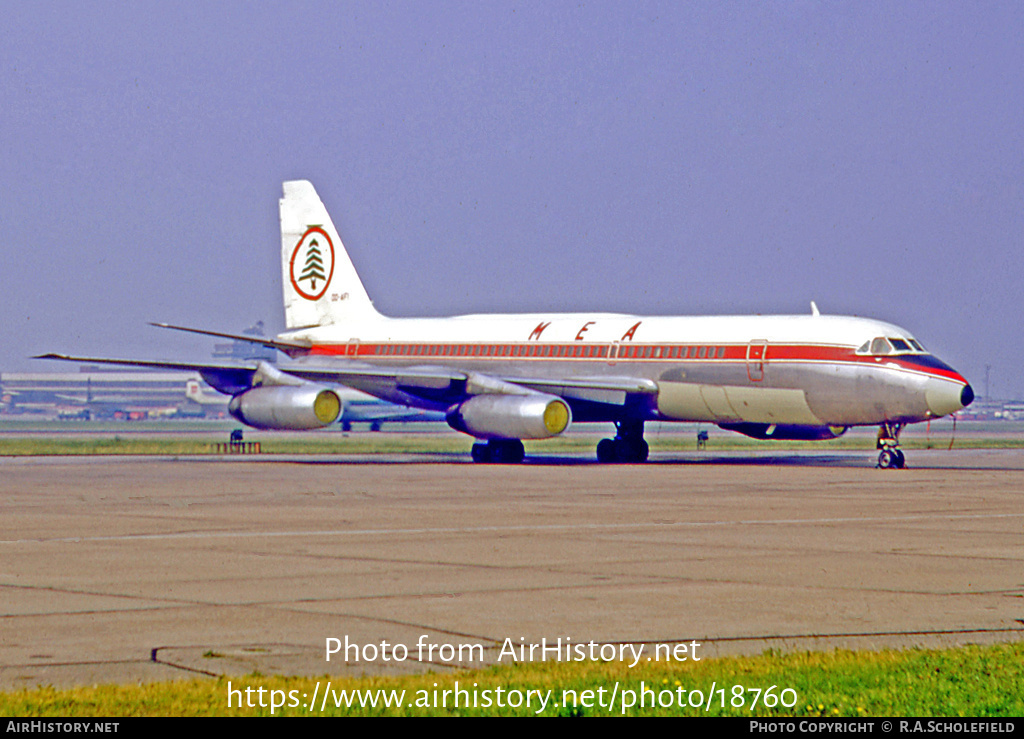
504 378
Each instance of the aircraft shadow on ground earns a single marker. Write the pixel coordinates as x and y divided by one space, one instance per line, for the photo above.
852 460
552 460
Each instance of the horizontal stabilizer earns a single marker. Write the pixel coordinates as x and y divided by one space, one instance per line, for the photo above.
291 348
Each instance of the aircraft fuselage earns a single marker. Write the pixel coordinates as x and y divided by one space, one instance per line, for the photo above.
808 370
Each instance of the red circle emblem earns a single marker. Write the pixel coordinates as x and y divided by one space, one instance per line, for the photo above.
312 264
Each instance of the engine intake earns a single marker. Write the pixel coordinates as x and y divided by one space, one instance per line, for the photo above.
511 416
286 407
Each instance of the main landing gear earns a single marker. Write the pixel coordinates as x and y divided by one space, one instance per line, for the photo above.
627 446
499 451
891 456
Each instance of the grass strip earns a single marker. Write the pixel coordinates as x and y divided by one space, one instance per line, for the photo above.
977 681
444 444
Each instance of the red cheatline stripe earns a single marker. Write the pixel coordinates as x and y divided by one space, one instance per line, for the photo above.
788 353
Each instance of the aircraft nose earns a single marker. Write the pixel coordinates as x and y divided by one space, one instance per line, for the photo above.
945 397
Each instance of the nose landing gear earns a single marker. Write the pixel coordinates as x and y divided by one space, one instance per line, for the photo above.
891 456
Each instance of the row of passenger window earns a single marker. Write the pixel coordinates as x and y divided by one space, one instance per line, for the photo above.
672 352
544 350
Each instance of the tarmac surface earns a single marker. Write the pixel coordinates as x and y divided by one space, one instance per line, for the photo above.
117 569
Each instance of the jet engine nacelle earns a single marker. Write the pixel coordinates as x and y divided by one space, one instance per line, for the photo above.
496 416
286 407
783 432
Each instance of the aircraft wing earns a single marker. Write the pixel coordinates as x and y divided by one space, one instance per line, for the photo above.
413 376
421 386
156 363
611 390
440 387
227 378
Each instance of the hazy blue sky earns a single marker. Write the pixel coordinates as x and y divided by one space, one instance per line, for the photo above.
640 157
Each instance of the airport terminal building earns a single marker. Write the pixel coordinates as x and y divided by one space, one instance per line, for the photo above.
96 393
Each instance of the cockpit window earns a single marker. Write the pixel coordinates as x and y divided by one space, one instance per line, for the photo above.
883 346
880 346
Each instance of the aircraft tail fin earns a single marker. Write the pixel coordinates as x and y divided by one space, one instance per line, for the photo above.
321 286
194 392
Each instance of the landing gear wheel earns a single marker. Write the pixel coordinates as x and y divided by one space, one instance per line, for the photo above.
506 451
891 457
606 451
499 451
628 446
639 451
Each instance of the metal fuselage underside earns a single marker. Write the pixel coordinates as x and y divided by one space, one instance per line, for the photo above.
787 370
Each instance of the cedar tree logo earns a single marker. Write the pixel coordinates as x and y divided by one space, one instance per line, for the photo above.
312 264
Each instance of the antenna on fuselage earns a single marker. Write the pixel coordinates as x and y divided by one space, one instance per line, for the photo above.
814 309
